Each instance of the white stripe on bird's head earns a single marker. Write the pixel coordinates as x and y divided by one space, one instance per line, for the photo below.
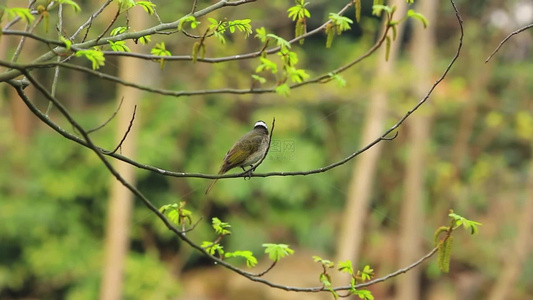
261 123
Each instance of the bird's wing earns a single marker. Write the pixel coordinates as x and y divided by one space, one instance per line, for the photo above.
242 149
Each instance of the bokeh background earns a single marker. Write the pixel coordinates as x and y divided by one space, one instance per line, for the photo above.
469 148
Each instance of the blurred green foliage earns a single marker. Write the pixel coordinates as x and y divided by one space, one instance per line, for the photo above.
53 193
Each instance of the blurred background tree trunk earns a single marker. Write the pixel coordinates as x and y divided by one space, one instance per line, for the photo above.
418 129
121 200
516 256
360 186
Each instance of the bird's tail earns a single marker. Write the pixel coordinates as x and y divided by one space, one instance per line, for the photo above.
222 171
210 186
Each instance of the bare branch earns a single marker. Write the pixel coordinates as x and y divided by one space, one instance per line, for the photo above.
194 4
507 38
267 269
125 134
108 120
240 2
56 71
90 21
109 26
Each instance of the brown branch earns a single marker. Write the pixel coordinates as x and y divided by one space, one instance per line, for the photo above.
507 38
267 270
125 134
240 2
108 120
89 22
194 5
109 26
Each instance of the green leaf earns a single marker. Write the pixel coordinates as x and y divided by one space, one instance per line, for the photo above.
377 9
345 266
147 6
213 248
95 56
259 78
325 279
251 261
277 251
160 50
126 4
281 42
289 58
145 39
119 46
283 89
189 19
72 4
325 262
341 82
173 216
23 13
261 34
364 294
220 37
221 228
467 224
341 23
266 65
367 273
67 42
241 25
118 30
412 14
296 75
299 11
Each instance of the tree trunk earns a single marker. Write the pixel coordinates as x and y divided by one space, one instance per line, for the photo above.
121 200
359 189
517 255
411 218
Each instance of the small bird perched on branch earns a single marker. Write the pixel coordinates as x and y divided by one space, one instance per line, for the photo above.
248 150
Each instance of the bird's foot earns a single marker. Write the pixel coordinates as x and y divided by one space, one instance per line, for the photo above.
248 173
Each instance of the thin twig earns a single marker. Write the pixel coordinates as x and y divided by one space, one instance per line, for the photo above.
108 120
109 26
267 269
90 20
193 226
56 71
240 2
127 131
505 40
194 4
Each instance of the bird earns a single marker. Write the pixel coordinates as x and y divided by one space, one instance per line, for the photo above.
248 150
